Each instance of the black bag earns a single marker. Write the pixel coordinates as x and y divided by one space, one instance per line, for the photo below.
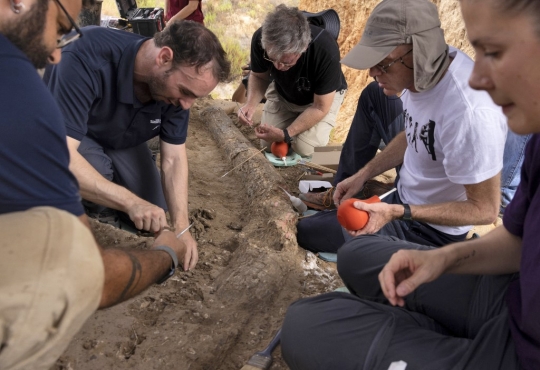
145 21
327 19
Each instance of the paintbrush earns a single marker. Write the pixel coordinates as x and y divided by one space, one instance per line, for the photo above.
263 359
241 111
183 231
252 124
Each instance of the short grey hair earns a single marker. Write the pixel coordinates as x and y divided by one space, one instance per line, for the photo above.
285 31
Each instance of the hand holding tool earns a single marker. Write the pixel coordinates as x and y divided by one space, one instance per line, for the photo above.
351 218
183 231
263 359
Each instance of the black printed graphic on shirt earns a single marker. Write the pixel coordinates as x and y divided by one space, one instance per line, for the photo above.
426 134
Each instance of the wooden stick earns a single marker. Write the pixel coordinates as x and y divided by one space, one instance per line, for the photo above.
235 167
317 166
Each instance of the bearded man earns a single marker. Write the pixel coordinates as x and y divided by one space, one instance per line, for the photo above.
53 274
116 91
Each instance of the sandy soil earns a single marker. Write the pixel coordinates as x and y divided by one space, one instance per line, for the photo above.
250 269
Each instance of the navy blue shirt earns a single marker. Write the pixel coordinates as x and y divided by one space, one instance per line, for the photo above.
34 159
93 86
317 71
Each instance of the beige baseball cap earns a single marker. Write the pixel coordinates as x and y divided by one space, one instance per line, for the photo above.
397 22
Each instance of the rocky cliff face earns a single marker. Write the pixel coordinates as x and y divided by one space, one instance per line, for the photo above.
353 15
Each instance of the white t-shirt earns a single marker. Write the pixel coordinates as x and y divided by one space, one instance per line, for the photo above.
455 136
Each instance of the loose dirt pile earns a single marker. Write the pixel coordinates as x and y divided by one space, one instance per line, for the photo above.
250 267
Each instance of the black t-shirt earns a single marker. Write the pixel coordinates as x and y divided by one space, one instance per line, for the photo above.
318 71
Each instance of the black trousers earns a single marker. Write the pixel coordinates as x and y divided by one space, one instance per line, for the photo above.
323 233
377 118
457 322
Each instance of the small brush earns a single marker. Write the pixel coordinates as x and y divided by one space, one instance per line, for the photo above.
183 231
263 359
387 193
241 111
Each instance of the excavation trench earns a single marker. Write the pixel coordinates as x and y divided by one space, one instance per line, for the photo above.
250 267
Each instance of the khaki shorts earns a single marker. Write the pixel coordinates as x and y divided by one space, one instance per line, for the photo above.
280 113
51 279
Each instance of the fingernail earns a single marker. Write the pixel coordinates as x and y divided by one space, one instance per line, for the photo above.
401 291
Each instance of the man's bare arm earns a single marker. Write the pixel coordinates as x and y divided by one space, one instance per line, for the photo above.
480 208
312 115
129 272
257 85
95 188
174 177
390 157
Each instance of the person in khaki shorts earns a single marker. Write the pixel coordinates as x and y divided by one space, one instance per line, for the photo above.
53 275
308 85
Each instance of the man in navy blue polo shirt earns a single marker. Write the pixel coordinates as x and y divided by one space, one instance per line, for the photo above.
53 275
117 90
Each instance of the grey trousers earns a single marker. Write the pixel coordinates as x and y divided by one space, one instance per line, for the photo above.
455 322
133 168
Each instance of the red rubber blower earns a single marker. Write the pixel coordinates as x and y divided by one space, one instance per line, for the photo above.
352 218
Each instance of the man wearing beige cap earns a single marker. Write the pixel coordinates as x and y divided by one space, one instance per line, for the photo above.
450 152
451 155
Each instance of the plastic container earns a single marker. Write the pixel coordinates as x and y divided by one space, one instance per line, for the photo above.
297 203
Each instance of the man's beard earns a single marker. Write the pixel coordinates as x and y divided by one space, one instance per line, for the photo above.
157 86
26 33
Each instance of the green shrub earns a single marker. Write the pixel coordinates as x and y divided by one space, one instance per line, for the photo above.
224 6
217 17
209 18
236 55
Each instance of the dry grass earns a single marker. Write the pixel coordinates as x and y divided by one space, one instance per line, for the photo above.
233 22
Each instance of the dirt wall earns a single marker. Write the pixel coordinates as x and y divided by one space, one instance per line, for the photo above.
353 15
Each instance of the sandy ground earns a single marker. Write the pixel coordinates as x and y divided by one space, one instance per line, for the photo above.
250 269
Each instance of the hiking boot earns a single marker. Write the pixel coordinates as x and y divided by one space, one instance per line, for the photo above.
319 200
108 216
374 187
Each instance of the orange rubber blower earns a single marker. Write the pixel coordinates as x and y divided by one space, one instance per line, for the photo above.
352 218
279 149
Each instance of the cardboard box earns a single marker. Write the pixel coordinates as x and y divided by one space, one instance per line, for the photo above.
144 21
327 156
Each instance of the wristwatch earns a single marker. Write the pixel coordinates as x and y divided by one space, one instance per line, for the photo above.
287 137
407 215
174 264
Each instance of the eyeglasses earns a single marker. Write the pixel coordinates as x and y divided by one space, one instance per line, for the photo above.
69 37
384 69
286 65
303 84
